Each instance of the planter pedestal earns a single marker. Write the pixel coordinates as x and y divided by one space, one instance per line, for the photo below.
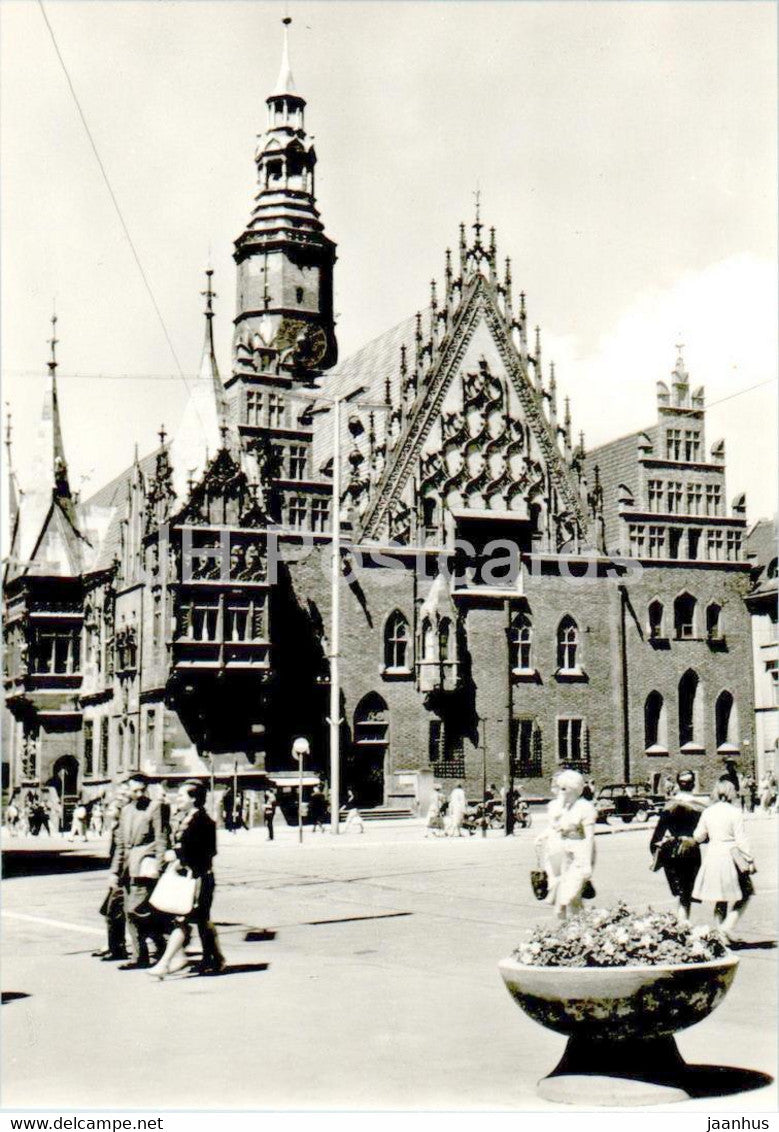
639 1071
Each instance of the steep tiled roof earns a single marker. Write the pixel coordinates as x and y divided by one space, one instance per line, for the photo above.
761 550
101 515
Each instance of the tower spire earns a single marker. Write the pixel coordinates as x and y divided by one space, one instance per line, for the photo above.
51 424
285 84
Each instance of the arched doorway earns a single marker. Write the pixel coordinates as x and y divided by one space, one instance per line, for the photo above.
64 779
371 749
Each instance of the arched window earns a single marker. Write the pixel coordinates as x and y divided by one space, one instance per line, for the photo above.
772 568
655 730
426 636
445 639
567 644
120 746
520 641
655 613
684 616
690 711
396 642
714 621
725 722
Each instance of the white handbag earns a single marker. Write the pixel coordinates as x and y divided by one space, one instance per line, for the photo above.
148 869
175 892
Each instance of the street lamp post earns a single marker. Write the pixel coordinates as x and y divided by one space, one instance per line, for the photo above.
335 603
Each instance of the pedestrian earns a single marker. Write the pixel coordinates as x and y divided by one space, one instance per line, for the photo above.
574 820
194 849
317 808
353 815
549 846
269 807
97 817
112 908
78 823
588 793
12 816
751 793
457 805
724 877
674 847
434 822
767 793
141 841
668 786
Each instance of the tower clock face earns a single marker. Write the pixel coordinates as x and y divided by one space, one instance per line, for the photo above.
313 347
307 340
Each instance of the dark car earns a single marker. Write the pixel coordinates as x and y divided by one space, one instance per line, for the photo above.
627 800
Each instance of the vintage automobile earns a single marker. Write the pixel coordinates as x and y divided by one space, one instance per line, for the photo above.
626 801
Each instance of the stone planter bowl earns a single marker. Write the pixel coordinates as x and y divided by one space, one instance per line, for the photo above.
618 1003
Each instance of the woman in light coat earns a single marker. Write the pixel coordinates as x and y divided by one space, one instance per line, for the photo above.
719 881
572 817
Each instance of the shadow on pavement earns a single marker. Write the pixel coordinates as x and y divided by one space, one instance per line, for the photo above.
236 969
13 995
48 862
259 935
702 1081
753 945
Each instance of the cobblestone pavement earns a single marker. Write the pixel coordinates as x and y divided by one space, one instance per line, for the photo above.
362 973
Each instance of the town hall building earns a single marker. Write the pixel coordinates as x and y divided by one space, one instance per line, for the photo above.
510 602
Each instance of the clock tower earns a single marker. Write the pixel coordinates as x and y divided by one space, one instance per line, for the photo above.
285 260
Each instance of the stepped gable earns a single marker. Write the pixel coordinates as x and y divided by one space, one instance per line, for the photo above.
617 463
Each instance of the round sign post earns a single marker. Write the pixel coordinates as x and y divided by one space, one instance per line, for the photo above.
300 748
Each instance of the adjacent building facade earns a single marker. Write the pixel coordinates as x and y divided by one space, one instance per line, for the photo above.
510 603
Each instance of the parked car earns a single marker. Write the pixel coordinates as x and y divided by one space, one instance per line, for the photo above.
627 800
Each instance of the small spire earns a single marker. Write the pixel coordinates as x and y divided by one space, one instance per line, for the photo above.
522 311
477 224
209 294
162 434
567 417
8 431
285 84
387 391
53 342
582 449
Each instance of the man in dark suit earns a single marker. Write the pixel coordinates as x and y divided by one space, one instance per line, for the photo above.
141 841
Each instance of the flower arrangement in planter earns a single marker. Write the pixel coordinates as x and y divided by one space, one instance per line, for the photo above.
620 937
619 983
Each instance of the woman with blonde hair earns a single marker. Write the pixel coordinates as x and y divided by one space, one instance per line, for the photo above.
724 876
572 817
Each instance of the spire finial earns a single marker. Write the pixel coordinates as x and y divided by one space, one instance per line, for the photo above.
162 434
209 294
53 341
8 431
477 224
285 83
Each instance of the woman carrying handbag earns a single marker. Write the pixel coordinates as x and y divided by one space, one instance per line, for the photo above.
189 899
725 877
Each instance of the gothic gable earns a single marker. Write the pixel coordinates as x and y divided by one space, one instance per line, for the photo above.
224 497
474 438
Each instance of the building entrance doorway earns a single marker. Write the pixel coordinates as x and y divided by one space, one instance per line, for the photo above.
64 779
371 750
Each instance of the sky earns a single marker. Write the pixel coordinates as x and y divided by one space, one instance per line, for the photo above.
625 152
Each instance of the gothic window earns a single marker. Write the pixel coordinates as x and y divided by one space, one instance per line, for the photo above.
237 626
655 495
733 553
56 651
298 510
675 541
426 639
151 732
690 713
320 514
396 643
130 760
656 545
89 749
103 764
573 747
714 621
297 462
692 445
715 542
254 407
526 749
156 624
445 750
674 498
275 410
429 513
655 729
567 645
520 643
694 498
445 639
121 748
636 535
673 444
655 620
713 499
725 721
693 542
684 616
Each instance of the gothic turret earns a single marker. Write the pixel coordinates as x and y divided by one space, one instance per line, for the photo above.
285 261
